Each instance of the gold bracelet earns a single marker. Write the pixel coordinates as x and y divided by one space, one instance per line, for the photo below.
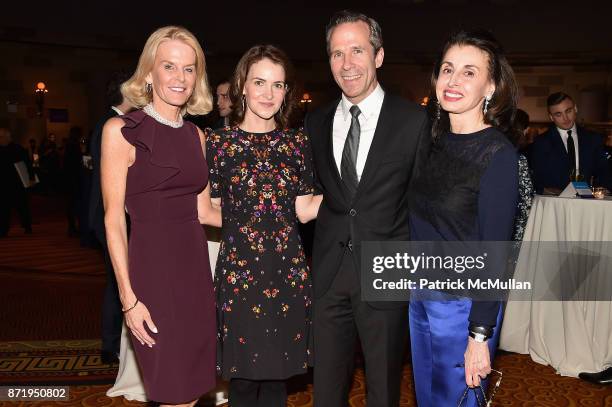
131 308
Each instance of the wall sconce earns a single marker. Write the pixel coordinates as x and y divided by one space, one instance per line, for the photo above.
305 101
40 91
424 101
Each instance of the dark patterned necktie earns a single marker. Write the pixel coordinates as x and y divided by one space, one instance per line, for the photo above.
348 165
571 150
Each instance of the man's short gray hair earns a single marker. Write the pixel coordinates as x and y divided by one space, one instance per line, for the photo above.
348 16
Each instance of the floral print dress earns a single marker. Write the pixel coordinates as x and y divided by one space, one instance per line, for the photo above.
526 193
262 282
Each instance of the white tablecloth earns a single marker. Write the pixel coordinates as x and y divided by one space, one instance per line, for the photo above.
572 336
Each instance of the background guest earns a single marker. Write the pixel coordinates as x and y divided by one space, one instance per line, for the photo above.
224 104
112 317
608 150
71 178
566 150
526 191
14 193
50 165
526 138
33 153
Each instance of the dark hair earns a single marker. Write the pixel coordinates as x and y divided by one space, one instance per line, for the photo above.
521 120
252 56
556 98
222 81
113 87
348 16
502 106
75 134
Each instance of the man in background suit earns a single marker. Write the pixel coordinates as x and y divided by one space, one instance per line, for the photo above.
112 317
566 149
365 147
14 193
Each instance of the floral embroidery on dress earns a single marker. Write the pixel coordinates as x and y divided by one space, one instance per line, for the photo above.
262 281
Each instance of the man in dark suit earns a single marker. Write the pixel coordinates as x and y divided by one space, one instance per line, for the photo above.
365 147
566 149
112 317
15 195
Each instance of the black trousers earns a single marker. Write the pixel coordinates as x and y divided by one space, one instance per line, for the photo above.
112 316
339 316
257 393
15 198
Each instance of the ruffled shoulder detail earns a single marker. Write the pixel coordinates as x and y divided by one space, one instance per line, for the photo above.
132 130
143 132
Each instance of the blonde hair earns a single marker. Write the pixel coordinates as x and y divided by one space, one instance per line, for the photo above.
135 88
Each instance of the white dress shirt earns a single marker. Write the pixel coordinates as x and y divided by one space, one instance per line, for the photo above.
563 134
368 118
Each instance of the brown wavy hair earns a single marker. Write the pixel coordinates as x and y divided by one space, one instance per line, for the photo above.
252 56
502 106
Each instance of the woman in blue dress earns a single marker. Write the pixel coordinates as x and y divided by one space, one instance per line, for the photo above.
466 191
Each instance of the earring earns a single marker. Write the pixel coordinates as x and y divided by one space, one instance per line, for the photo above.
438 108
148 87
486 104
243 103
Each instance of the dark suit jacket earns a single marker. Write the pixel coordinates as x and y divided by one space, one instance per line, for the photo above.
550 163
379 210
96 207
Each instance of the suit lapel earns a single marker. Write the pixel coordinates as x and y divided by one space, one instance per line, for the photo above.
328 137
375 155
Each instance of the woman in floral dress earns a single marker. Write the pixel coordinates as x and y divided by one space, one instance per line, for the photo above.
261 176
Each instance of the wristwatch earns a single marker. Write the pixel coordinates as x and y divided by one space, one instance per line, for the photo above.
480 333
478 337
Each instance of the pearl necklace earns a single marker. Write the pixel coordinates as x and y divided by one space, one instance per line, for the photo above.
149 110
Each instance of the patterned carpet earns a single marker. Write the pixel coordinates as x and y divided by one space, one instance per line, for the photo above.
51 287
51 290
58 362
77 363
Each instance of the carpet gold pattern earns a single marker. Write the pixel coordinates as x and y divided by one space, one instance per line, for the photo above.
77 363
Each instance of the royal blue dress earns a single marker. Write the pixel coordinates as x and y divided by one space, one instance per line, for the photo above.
466 191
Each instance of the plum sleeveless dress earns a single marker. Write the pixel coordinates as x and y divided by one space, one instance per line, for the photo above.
168 258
